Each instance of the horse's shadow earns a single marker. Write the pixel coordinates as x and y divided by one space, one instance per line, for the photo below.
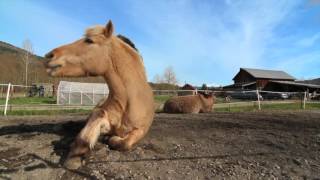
66 130
69 130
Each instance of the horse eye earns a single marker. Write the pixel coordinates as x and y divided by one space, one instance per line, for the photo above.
89 41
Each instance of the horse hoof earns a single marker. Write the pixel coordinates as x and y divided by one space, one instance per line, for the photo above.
73 163
117 143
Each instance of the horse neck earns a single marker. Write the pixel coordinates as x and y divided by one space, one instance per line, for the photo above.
117 90
126 72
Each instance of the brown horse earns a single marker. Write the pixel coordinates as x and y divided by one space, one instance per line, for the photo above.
128 112
200 103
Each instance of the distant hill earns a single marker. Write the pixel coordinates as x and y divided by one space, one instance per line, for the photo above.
163 86
12 68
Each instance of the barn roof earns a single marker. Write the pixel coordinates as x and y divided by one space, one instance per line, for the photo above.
298 84
268 74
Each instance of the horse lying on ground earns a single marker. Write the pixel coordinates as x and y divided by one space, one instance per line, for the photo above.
128 112
200 103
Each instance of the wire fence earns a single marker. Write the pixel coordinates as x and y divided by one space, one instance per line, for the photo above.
252 99
16 97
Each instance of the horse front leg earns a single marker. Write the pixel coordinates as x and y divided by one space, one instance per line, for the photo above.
98 123
127 142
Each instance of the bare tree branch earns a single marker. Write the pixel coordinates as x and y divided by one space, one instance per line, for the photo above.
27 46
157 79
169 76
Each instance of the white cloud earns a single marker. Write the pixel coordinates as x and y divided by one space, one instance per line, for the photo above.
204 41
191 35
309 41
47 28
300 64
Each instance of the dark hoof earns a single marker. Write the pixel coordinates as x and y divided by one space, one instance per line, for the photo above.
116 143
73 163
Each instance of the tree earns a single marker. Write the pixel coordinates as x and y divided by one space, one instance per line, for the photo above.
204 87
27 46
157 79
169 76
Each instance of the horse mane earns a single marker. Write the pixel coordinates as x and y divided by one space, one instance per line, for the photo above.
127 41
100 30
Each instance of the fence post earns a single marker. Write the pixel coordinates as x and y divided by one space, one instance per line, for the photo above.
69 98
92 95
304 100
7 99
258 99
81 97
58 94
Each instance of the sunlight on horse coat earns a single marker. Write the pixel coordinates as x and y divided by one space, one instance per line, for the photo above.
199 103
128 112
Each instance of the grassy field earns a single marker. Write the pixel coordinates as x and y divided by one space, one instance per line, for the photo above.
30 100
48 112
164 98
280 106
161 99
52 100
158 100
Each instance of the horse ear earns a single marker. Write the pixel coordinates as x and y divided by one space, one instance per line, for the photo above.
109 29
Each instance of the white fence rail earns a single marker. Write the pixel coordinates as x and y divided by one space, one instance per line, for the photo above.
67 99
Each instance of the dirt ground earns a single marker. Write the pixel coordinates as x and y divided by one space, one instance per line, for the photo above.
255 145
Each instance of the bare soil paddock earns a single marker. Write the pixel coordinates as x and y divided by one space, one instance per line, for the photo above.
256 145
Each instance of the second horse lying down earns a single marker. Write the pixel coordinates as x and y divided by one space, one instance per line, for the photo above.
200 103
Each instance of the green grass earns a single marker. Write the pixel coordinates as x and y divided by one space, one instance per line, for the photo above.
52 100
161 98
291 106
220 100
164 98
48 112
30 100
158 99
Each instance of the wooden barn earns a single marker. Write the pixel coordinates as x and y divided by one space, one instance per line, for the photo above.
290 86
270 80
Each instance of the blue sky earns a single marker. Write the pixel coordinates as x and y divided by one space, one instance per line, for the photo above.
204 41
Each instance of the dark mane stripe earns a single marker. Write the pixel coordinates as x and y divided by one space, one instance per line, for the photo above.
128 41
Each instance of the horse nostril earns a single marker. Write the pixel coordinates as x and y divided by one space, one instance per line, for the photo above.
49 55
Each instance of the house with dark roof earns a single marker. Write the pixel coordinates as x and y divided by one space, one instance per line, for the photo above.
187 89
247 75
272 80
